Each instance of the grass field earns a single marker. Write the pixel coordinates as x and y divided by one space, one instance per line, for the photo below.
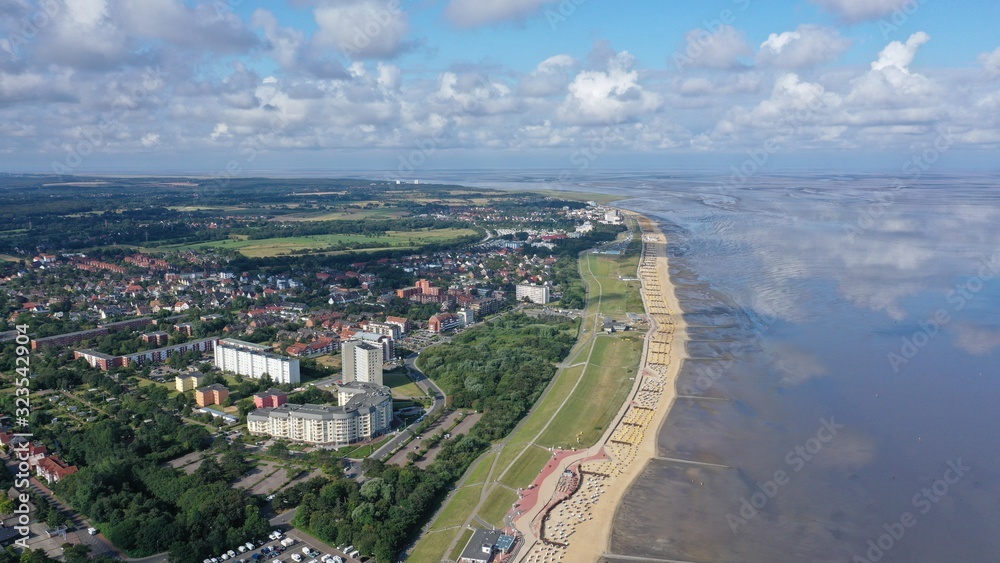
402 385
433 546
344 214
497 505
263 248
527 468
480 469
460 546
599 396
462 503
9 258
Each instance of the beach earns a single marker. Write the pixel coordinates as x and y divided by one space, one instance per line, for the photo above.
579 493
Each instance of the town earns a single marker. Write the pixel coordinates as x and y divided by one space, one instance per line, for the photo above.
226 362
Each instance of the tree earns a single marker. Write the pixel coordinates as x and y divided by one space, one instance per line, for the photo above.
6 505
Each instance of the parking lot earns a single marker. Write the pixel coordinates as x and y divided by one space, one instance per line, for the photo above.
271 551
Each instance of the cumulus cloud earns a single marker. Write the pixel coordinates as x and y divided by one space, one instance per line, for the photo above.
549 78
853 11
807 46
890 80
362 28
722 48
474 13
991 62
610 96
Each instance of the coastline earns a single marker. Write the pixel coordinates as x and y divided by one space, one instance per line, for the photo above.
579 526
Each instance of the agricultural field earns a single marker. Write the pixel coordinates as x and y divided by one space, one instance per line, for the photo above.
264 248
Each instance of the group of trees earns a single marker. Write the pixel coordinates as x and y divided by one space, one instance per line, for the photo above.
499 367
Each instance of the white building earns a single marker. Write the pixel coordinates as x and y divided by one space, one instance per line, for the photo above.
365 412
386 343
466 316
535 293
362 361
253 360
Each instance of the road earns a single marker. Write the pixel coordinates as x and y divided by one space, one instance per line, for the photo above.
430 388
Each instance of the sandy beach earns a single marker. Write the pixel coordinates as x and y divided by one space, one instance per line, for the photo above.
577 526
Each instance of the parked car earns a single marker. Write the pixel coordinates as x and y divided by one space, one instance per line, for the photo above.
296 557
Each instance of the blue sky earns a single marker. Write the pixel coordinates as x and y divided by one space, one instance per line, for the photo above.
242 86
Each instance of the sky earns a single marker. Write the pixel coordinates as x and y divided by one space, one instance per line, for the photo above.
244 87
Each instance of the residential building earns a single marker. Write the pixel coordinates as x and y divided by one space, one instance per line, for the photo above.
253 360
362 361
443 322
315 348
188 381
402 323
388 329
365 412
53 469
386 343
466 316
270 399
99 360
214 394
535 293
156 338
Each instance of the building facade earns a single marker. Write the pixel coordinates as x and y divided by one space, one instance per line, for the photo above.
535 293
213 394
365 412
362 361
253 361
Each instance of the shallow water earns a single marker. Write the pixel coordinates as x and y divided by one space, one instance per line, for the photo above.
800 438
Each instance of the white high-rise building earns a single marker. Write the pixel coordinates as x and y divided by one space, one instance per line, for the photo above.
535 293
253 360
362 361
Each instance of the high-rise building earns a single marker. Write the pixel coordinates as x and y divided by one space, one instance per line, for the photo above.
362 361
254 360
534 293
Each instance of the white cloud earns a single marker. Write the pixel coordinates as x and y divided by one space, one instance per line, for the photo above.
854 11
362 28
473 13
991 62
150 140
721 48
890 82
807 46
613 96
549 78
975 340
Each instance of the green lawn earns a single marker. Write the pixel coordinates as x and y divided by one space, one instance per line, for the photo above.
402 385
480 469
497 506
527 468
599 396
460 546
432 546
461 504
262 248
